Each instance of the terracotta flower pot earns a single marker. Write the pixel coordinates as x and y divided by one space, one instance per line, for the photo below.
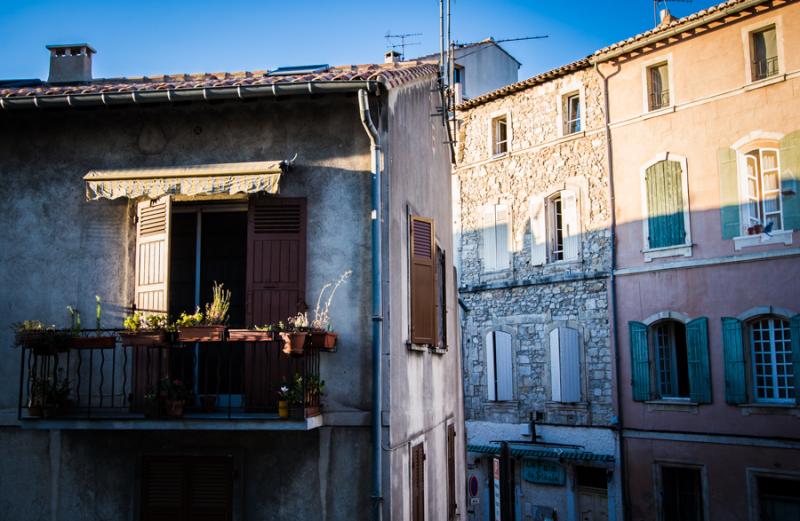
283 408
294 342
175 408
201 334
144 338
323 339
249 335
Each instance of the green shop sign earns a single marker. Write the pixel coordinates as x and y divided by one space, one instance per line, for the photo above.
544 472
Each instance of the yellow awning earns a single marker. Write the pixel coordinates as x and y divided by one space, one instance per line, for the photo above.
221 178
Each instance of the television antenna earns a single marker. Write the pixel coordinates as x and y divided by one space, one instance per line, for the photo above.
398 41
665 2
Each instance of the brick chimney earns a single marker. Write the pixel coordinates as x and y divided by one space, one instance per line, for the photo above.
70 63
391 57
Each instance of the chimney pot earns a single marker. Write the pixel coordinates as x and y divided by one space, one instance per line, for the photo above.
391 57
665 16
70 63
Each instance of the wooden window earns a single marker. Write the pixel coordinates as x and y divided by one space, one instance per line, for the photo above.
496 231
764 53
452 505
572 112
762 181
672 367
441 298
499 135
681 494
565 365
418 482
423 281
665 205
658 95
499 370
186 488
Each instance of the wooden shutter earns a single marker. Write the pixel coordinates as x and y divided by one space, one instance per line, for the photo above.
503 368
491 373
733 354
489 241
452 505
418 482
423 281
697 356
665 204
572 227
276 259
728 193
794 329
640 361
565 368
555 365
152 255
538 232
502 233
790 180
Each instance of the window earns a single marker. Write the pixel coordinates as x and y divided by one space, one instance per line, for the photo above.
669 359
572 113
441 298
658 95
499 135
498 366
763 208
759 362
418 482
496 231
764 53
681 494
664 202
778 498
565 365
423 292
555 228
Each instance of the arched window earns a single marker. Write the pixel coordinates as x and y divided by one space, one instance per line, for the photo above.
498 366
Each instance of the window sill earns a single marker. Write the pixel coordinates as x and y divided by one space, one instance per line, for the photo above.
571 406
573 135
771 80
682 250
498 156
760 239
419 348
658 112
438 350
672 405
770 408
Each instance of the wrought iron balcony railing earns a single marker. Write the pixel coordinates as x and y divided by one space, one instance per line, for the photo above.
659 100
765 68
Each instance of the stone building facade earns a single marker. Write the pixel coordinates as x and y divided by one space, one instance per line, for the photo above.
531 210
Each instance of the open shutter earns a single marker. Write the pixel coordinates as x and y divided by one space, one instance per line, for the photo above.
491 373
502 353
697 355
489 241
665 205
733 354
728 193
794 329
452 505
538 232
502 234
640 361
152 255
572 226
423 281
418 482
790 180
276 259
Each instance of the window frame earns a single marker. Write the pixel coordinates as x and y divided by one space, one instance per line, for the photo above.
743 154
752 376
441 297
747 33
646 67
658 484
675 250
568 91
494 118
754 500
555 227
656 368
651 104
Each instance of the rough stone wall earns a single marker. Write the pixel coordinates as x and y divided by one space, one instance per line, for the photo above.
529 301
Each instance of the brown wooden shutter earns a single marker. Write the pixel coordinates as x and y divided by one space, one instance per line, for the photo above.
452 505
423 281
418 482
276 259
177 488
152 255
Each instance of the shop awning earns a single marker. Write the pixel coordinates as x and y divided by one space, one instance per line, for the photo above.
540 451
221 178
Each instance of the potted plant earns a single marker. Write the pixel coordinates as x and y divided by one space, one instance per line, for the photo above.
315 388
257 334
49 396
296 398
44 341
175 395
283 401
322 335
295 334
145 330
97 341
208 326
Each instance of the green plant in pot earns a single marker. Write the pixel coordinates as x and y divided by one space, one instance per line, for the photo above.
175 394
322 334
149 329
295 334
95 341
208 325
49 396
43 340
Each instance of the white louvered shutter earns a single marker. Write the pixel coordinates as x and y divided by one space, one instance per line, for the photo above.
505 380
555 366
152 255
502 231
572 225
491 380
538 232
489 246
570 365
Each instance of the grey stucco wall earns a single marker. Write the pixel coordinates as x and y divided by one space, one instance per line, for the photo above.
486 68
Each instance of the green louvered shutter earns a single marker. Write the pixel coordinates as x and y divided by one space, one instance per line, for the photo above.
640 361
790 180
728 193
733 353
665 204
697 355
794 327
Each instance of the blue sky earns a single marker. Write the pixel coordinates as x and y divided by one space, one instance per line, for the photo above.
176 36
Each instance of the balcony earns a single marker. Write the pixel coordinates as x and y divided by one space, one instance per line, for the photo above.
659 99
765 68
98 380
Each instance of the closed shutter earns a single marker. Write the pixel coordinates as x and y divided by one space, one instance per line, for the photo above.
555 366
276 259
503 367
565 365
728 193
665 205
488 239
452 505
790 180
794 329
733 354
418 482
423 281
640 361
572 226
697 356
152 255
491 373
502 226
538 232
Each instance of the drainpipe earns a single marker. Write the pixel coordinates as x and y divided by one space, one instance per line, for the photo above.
377 307
613 285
